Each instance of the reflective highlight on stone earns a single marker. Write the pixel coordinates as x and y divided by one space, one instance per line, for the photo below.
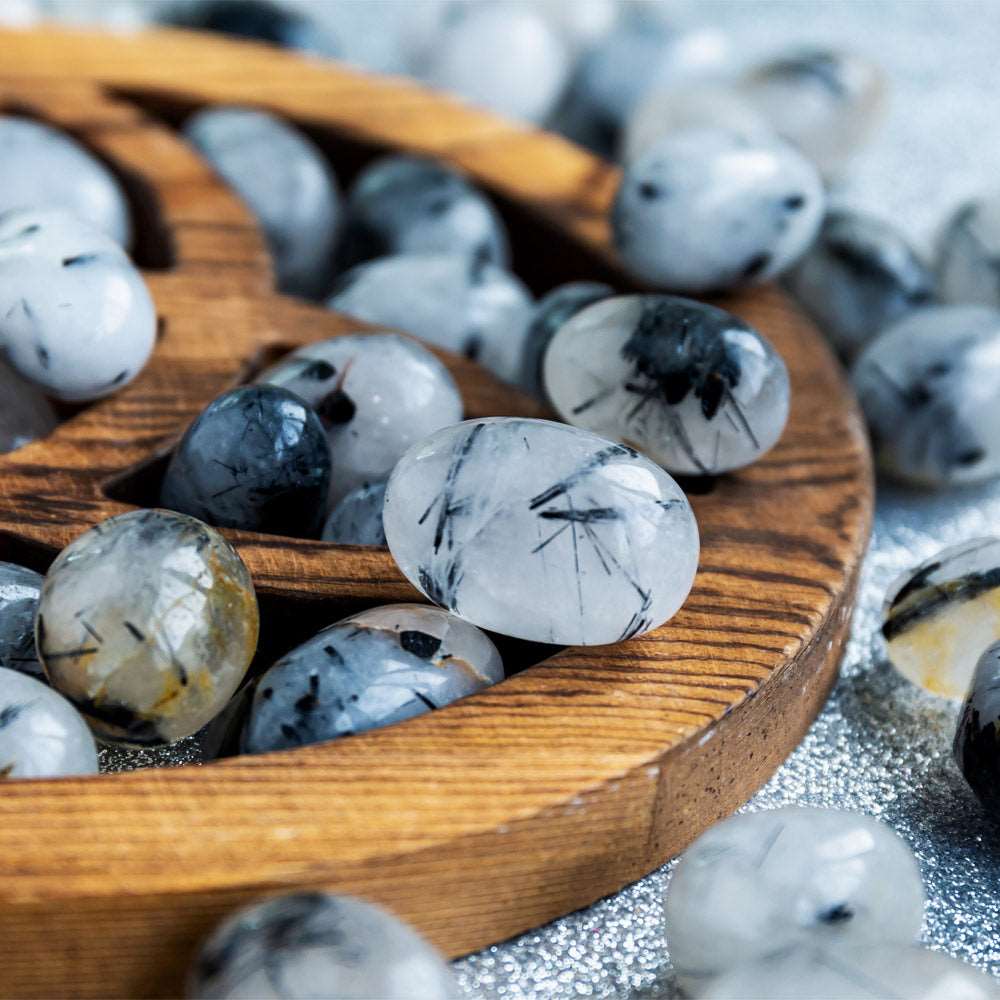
314 944
928 386
760 884
968 262
357 519
375 394
26 414
693 387
977 738
704 209
41 734
147 624
541 531
20 590
941 616
373 669
256 458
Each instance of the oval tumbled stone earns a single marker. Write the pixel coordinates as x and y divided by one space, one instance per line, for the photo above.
541 531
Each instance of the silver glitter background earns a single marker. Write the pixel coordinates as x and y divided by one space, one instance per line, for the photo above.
880 746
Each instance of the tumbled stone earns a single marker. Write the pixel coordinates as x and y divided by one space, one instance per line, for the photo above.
939 617
26 414
41 734
285 181
255 458
147 624
704 209
968 254
375 394
40 165
859 276
693 387
76 317
20 590
822 101
466 305
404 204
552 311
928 386
357 519
977 738
541 531
314 944
761 884
373 669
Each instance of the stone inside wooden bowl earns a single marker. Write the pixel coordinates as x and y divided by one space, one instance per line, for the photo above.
572 778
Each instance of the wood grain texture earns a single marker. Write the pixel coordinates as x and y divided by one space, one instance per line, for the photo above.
506 809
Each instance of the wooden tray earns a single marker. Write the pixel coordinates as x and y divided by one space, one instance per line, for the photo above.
511 807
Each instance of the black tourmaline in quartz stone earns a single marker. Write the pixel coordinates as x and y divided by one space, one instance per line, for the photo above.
977 740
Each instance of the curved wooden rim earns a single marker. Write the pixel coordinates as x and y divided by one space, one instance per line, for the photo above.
510 807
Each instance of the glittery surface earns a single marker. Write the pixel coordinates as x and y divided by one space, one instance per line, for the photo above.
879 746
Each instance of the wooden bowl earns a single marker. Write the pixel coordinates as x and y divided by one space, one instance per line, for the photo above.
496 814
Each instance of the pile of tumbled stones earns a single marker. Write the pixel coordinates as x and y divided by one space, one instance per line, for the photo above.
574 532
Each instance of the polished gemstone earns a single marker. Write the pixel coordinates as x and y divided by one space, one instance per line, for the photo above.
375 394
693 387
705 209
147 623
309 945
977 739
357 519
761 884
464 304
285 181
968 261
370 670
541 531
25 414
928 386
256 458
75 315
20 590
940 616
41 734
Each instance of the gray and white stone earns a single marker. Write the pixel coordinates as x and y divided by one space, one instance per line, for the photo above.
968 254
42 167
762 884
693 387
310 945
552 311
405 204
357 519
541 531
147 624
375 394
860 275
76 317
255 458
25 414
285 181
370 670
928 386
466 305
704 209
20 591
41 734
824 102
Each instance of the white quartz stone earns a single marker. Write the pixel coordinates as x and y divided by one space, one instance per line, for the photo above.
581 23
41 734
761 884
856 974
357 519
928 386
376 396
968 262
504 57
284 180
541 531
312 945
76 317
822 101
704 209
43 167
693 387
20 590
465 305
25 414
